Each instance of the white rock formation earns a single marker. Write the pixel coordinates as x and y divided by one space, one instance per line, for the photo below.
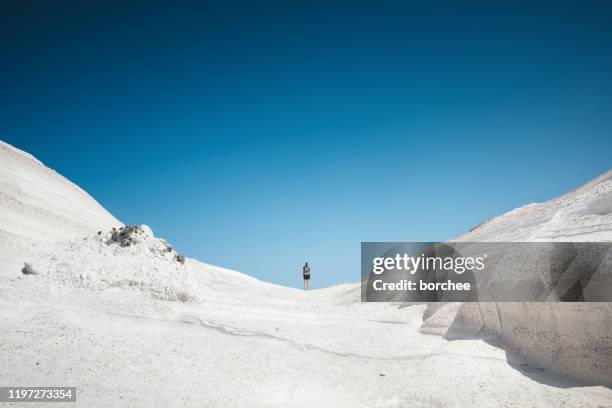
38 203
130 326
570 338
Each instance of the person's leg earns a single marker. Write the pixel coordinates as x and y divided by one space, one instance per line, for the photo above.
305 284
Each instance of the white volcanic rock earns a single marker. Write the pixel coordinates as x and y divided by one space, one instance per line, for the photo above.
584 214
38 203
570 338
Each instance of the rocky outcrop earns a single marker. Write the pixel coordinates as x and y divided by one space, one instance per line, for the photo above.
572 338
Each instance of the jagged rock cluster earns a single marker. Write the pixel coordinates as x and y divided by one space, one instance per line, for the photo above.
130 235
126 236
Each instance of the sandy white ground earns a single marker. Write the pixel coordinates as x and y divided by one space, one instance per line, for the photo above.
107 320
253 345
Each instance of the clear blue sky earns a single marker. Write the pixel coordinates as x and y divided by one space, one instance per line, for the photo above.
259 136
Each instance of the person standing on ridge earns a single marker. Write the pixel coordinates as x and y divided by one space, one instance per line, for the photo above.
306 271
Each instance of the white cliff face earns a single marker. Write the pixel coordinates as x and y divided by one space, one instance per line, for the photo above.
584 214
569 338
40 204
